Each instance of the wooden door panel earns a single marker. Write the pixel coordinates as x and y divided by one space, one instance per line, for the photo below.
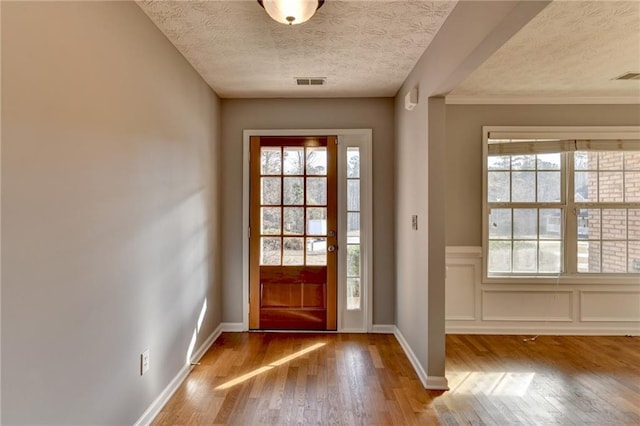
292 273
299 295
293 319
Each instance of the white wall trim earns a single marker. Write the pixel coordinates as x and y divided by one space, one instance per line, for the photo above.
383 328
471 100
204 347
162 399
233 327
429 382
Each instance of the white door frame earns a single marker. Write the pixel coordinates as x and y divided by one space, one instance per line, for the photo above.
357 137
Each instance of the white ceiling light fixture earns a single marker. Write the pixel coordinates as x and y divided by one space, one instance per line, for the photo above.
291 12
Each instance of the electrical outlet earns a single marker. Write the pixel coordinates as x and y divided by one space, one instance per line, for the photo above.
144 362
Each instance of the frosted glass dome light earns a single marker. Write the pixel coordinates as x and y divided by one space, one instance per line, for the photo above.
291 12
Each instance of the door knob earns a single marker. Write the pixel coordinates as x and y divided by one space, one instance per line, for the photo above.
332 248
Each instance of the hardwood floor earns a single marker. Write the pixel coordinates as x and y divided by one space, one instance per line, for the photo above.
360 379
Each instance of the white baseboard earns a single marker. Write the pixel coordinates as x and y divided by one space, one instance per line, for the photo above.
233 327
383 328
157 405
351 330
429 382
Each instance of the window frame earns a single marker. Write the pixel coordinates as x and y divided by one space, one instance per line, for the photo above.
567 204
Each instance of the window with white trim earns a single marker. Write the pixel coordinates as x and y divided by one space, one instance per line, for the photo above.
561 202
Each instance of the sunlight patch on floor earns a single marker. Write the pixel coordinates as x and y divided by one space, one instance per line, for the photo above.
489 383
268 367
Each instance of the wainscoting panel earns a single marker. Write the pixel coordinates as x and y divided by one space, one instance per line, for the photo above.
460 297
518 305
579 309
609 306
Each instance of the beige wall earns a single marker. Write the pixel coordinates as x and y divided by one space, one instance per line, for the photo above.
374 113
463 178
110 221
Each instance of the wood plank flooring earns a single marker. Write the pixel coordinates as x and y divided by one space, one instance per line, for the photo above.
360 379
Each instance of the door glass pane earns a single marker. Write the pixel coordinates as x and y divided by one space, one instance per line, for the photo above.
293 161
549 187
317 221
293 251
523 187
317 161
316 251
293 191
270 161
353 194
353 293
353 228
498 187
270 220
269 251
525 256
500 223
317 191
550 224
293 221
525 223
353 260
270 193
353 162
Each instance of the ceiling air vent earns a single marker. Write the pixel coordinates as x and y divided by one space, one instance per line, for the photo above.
629 76
311 81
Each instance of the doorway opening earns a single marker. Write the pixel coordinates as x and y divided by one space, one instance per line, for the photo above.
307 211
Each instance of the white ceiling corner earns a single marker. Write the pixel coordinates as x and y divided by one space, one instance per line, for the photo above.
364 48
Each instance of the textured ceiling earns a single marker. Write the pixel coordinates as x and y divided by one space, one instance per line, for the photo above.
364 48
570 50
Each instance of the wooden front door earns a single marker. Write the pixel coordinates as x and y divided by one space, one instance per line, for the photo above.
293 241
